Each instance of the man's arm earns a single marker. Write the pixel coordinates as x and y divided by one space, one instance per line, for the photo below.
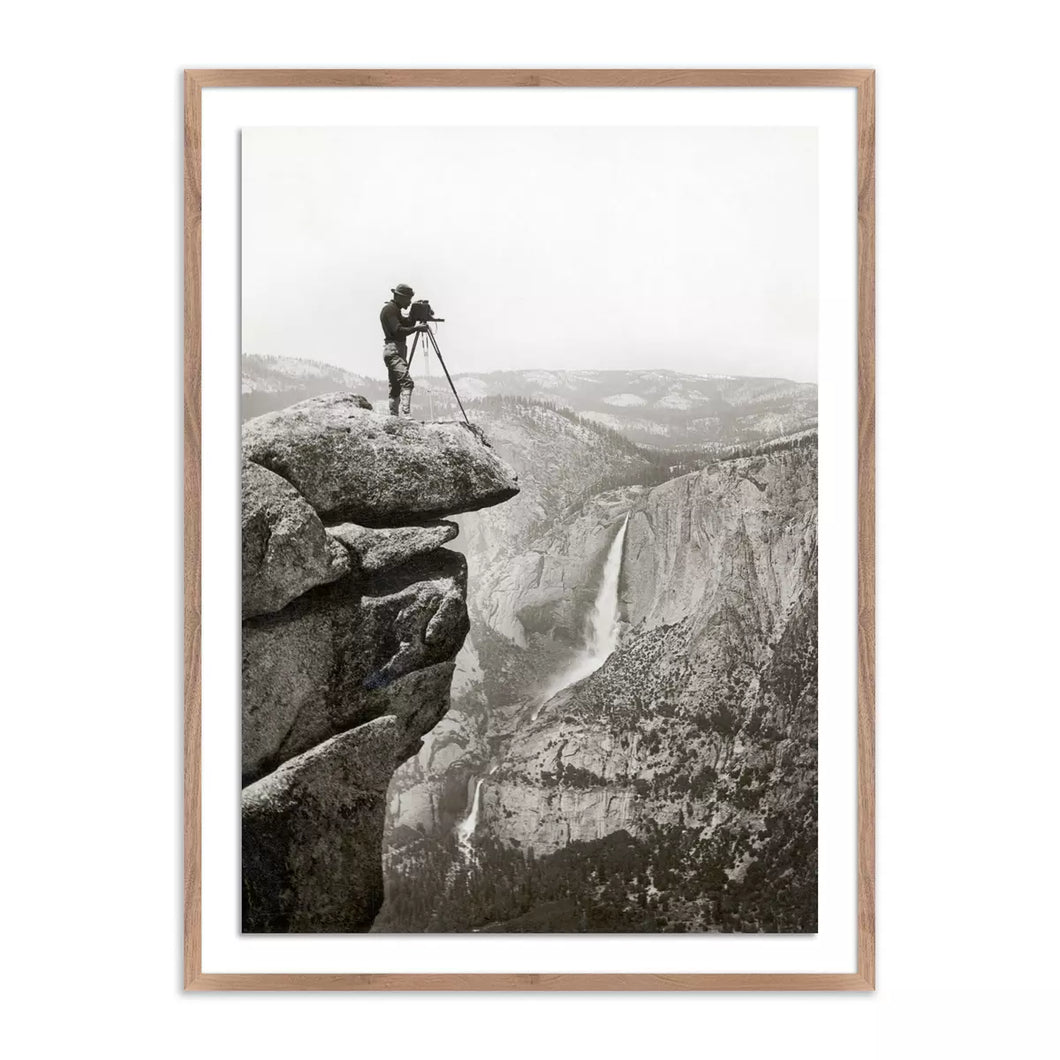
396 325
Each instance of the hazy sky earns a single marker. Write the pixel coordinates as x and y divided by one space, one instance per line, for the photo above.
693 249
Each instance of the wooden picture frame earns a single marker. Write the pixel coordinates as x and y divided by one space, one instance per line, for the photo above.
863 82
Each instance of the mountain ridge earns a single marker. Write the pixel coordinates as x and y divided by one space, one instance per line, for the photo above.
652 407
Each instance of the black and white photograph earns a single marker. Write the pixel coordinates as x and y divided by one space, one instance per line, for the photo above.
529 529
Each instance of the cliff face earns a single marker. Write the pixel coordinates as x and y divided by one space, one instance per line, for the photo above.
352 618
714 683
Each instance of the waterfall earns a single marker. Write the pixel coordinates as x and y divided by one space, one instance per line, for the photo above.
466 828
603 623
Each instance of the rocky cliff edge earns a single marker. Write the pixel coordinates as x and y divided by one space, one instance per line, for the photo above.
353 615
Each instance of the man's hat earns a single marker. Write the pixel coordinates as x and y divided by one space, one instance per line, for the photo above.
402 288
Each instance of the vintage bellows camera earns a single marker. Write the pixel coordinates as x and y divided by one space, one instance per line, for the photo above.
420 312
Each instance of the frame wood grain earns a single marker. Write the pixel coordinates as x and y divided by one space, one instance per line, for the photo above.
863 81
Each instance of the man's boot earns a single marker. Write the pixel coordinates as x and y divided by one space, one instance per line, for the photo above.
406 401
393 406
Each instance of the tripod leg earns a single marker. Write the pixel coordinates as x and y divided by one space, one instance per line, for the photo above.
412 352
434 342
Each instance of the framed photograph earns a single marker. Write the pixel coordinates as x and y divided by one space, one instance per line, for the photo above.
529 507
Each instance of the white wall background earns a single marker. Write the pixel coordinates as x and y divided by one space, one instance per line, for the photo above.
968 585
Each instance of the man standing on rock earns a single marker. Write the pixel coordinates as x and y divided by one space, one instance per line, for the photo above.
396 328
